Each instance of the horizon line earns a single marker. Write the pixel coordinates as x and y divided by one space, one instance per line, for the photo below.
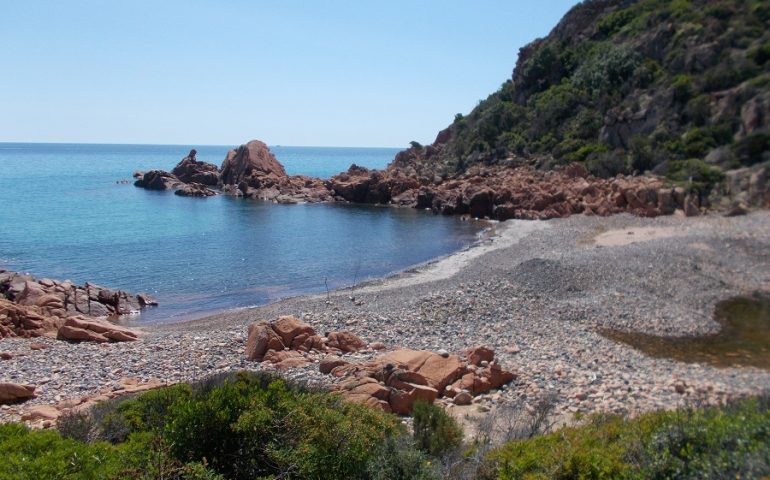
193 145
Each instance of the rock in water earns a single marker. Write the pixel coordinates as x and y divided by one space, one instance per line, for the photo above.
253 159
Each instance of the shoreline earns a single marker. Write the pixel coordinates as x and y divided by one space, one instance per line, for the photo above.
537 293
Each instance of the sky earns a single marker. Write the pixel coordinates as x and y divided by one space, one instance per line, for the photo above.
288 72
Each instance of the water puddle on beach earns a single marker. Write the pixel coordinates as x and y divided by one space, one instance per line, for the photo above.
743 340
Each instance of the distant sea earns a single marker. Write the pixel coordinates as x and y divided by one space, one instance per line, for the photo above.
65 214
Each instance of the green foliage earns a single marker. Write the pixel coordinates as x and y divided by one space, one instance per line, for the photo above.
613 22
399 459
717 442
607 68
694 174
697 142
34 455
583 152
245 426
434 430
753 148
652 68
683 88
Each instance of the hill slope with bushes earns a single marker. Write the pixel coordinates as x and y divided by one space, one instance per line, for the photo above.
680 88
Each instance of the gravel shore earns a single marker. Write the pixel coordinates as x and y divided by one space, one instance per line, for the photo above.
536 292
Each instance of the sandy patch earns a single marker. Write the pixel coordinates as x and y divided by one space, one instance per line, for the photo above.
627 236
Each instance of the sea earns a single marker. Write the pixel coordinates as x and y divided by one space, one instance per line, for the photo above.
71 211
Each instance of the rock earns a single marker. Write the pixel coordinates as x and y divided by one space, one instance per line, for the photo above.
248 162
13 392
93 330
190 170
288 327
402 401
377 346
285 359
76 334
476 355
194 190
737 210
41 412
463 398
345 341
691 205
146 300
261 339
330 363
158 180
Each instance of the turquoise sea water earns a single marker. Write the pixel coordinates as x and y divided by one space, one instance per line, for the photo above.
64 215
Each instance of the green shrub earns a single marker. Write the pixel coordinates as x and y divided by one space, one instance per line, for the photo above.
694 174
39 455
750 150
682 87
607 164
434 430
732 441
399 459
583 152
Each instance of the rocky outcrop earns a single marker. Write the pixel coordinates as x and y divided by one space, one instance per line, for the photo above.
252 171
191 170
502 193
252 160
158 180
34 308
286 342
392 381
396 380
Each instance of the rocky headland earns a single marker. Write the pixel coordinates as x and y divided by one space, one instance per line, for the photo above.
493 192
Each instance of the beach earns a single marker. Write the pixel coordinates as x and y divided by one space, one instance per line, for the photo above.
537 292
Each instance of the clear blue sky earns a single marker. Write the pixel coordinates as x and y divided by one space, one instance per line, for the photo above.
352 73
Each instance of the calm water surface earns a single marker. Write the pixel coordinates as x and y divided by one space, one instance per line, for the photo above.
64 215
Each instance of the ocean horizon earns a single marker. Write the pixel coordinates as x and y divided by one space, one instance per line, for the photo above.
72 215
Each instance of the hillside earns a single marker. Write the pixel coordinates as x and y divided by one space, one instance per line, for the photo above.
680 88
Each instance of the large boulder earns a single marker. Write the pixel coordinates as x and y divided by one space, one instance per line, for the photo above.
253 159
13 392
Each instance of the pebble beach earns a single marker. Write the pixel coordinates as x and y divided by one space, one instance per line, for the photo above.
537 292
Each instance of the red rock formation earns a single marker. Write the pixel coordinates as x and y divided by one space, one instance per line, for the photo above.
190 170
250 162
396 380
33 308
290 334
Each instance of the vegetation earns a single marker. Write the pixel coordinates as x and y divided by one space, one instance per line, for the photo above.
615 72
242 426
693 443
259 427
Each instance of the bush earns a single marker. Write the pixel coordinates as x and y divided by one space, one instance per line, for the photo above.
732 441
434 430
753 148
37 455
399 459
694 174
